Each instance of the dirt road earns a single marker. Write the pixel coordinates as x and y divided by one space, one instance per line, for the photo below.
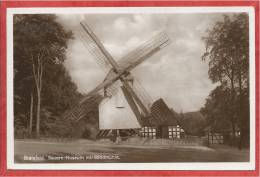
87 151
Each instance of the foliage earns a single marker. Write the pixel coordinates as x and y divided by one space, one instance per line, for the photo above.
217 109
87 127
227 53
39 52
227 50
192 122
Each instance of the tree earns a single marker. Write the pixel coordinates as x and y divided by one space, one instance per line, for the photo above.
87 127
59 94
39 41
227 49
217 109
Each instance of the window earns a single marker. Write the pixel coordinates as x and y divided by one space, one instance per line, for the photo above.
175 131
148 132
215 138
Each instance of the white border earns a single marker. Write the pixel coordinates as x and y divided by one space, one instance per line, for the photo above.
129 166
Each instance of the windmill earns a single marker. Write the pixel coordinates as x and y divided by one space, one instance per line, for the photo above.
119 75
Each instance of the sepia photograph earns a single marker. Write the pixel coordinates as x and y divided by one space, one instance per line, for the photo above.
108 86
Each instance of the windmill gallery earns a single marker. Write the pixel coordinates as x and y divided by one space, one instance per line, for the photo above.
127 109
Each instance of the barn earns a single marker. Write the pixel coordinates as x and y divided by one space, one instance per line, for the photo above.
163 123
223 136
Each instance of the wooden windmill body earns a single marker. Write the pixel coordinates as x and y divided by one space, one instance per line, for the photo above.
123 108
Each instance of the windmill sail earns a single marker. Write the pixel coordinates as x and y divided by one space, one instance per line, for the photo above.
94 50
77 112
96 53
144 51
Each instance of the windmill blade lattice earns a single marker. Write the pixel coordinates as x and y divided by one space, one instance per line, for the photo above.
98 56
93 49
145 50
79 111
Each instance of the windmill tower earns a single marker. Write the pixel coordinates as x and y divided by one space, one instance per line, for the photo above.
123 106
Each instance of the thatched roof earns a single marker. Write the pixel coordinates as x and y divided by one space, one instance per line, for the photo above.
161 114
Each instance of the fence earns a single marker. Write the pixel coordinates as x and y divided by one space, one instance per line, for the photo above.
188 141
215 138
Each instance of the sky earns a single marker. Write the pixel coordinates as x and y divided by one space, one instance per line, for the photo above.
176 73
